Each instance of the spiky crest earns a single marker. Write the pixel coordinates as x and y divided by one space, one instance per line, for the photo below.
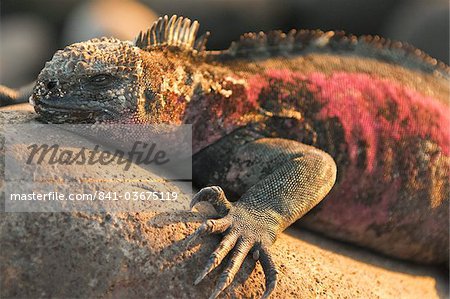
277 43
177 32
181 33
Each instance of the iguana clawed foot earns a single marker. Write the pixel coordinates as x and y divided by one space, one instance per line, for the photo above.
243 232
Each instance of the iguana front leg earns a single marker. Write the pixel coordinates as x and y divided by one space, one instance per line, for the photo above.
278 181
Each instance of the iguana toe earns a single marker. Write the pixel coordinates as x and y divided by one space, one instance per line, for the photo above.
218 255
270 271
210 226
238 254
216 197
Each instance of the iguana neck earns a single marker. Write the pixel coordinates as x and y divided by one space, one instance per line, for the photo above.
219 103
212 98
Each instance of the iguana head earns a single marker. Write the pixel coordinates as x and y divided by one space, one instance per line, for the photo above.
108 80
89 81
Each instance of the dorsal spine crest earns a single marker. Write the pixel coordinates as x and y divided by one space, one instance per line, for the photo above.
177 32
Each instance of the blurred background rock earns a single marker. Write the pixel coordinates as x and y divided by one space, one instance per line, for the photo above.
31 31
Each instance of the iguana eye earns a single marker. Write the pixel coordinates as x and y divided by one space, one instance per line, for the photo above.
101 80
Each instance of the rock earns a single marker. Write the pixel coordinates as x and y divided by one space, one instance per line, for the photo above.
145 255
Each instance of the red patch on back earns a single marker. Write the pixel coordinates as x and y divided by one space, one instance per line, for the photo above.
255 85
358 99
381 122
368 108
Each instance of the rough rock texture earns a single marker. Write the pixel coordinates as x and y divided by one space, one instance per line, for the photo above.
142 255
146 255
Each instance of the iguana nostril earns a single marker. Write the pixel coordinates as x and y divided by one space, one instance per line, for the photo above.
51 85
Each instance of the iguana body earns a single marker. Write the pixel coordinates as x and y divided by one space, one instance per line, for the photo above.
265 113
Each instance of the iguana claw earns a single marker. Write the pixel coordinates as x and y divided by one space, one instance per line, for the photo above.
216 197
242 235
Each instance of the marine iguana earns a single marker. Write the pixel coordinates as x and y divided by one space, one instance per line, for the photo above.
279 121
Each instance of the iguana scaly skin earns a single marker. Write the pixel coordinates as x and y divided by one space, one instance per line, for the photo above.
275 117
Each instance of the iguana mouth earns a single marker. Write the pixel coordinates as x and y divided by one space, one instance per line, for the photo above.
60 104
58 110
